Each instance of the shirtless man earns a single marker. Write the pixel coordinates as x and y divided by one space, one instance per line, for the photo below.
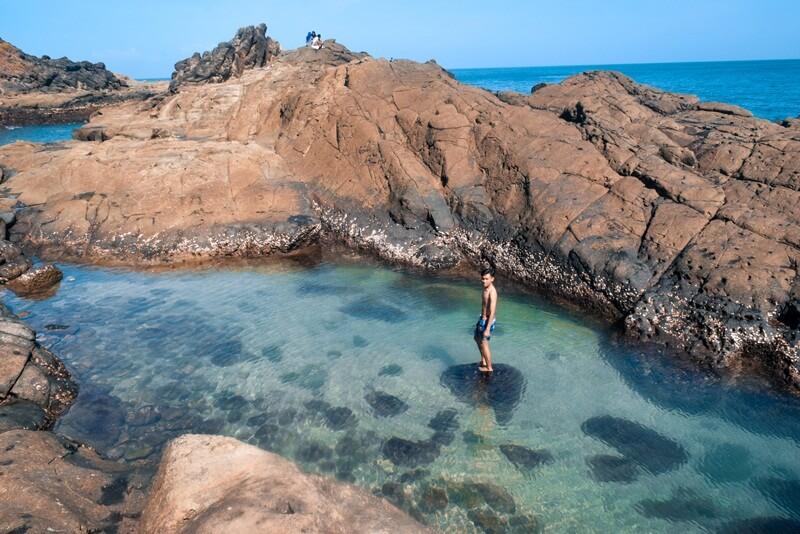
485 326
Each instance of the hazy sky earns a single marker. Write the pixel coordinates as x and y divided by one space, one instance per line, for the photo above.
145 38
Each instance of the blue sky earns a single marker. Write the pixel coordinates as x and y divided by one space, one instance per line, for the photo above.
145 38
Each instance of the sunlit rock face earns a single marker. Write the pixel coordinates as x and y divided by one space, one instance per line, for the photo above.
213 483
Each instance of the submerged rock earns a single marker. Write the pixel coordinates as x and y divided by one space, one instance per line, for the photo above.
607 468
218 484
384 404
524 458
501 390
407 453
684 505
652 451
390 370
371 308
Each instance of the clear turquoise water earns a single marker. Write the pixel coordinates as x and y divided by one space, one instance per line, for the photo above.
769 89
46 133
302 360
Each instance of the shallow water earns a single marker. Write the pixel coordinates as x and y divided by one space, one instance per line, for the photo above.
359 372
43 133
769 89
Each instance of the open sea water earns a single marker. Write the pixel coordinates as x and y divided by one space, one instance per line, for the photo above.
769 89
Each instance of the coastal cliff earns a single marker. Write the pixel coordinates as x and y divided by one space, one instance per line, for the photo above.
672 216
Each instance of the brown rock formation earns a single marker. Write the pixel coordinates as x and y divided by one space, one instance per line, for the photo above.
675 215
216 484
51 484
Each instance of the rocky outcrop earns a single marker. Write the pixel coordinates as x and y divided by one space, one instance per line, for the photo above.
215 484
671 215
249 48
50 91
22 73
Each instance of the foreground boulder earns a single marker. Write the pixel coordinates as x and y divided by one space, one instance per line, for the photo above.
673 216
219 484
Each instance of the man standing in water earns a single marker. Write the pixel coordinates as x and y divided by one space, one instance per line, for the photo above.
485 326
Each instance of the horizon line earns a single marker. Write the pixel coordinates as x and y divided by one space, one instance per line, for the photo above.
702 61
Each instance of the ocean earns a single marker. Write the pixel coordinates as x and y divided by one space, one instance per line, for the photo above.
769 89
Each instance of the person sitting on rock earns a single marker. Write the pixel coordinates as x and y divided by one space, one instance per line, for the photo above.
310 36
316 42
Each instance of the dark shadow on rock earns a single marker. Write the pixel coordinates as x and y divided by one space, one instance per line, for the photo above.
683 505
608 468
500 390
652 451
114 493
311 377
385 405
372 308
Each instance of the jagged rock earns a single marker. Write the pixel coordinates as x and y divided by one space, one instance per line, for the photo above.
21 72
37 280
12 262
675 216
250 48
215 483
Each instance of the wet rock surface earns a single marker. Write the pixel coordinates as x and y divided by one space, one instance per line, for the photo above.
672 214
213 483
501 391
35 387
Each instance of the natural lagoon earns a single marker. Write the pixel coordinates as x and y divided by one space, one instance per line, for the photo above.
364 373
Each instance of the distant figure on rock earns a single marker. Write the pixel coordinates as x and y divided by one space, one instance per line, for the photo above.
316 42
310 37
485 326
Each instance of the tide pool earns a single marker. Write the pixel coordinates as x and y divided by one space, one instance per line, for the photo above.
367 374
